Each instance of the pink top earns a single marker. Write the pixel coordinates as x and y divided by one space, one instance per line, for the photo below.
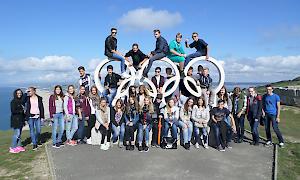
34 106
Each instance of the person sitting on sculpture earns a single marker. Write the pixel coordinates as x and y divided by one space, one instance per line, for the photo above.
177 53
200 45
161 50
137 56
111 83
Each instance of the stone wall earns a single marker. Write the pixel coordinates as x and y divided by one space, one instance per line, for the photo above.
289 96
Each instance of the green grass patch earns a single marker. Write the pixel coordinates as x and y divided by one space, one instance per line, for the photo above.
18 166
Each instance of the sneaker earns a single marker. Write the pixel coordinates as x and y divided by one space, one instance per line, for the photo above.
146 149
221 149
125 75
103 147
268 144
157 146
140 149
127 147
153 145
20 148
206 146
120 145
89 141
131 147
186 146
39 144
34 147
240 141
108 144
53 145
115 142
73 143
57 146
228 145
61 144
14 150
281 145
197 146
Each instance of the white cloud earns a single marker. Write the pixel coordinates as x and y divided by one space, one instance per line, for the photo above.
149 19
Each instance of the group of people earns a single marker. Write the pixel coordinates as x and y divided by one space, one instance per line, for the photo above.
184 114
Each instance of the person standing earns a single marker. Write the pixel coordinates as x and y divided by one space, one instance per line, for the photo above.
56 111
70 115
254 113
200 45
85 79
161 50
271 109
239 105
17 121
94 101
112 52
111 83
158 80
34 116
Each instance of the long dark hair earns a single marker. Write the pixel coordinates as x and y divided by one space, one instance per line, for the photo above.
15 94
203 100
122 105
186 104
225 95
128 105
131 93
61 94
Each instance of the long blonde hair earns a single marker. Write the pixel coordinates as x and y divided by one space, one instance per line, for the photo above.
150 106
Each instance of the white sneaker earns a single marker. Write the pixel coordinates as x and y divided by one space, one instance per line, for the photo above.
103 147
197 146
125 75
206 146
281 145
108 145
115 143
269 143
89 141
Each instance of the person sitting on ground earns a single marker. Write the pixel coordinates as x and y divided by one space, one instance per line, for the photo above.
200 45
118 122
137 56
111 83
158 80
205 82
161 50
145 122
254 113
103 117
143 92
177 53
185 122
201 116
112 53
218 115
131 119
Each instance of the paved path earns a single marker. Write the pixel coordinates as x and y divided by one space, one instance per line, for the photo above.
89 162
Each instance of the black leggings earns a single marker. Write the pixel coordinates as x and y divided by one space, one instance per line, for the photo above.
129 133
104 133
91 123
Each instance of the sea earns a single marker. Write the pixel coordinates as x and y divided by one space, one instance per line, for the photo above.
6 95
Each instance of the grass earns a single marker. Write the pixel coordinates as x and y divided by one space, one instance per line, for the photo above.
24 164
296 82
288 157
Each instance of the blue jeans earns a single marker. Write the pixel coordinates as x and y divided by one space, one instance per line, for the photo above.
191 56
35 129
254 129
240 126
204 133
80 131
272 118
118 132
120 58
58 121
157 56
110 97
71 126
141 133
187 133
173 130
220 132
16 138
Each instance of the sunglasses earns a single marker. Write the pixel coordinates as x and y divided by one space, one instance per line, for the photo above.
114 32
157 71
194 36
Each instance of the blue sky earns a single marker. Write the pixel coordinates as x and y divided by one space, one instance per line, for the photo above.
242 34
